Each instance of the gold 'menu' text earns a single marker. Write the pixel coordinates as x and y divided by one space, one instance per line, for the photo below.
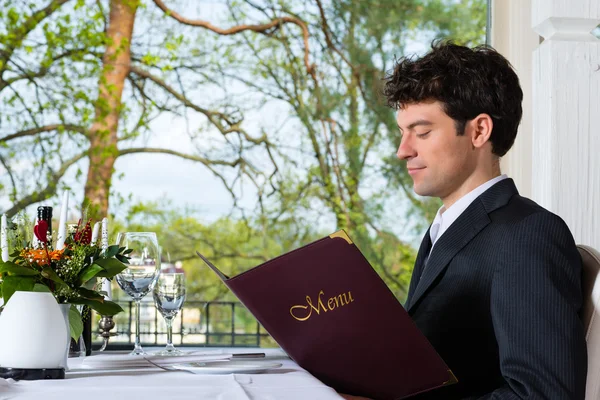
303 312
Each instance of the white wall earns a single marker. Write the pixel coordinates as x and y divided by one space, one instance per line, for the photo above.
558 163
566 124
514 38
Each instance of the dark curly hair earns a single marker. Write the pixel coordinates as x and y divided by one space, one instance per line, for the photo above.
467 82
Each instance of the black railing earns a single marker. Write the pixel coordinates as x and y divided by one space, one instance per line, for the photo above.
198 323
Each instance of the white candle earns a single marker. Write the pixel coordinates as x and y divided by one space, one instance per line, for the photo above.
62 223
104 243
4 238
104 239
95 233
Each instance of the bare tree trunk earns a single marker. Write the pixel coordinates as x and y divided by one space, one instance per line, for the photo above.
103 133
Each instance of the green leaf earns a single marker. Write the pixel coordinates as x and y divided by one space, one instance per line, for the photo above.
49 273
75 323
13 283
15 269
111 267
89 294
111 251
38 287
88 273
90 284
103 307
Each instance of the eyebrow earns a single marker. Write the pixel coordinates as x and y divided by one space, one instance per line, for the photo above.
419 122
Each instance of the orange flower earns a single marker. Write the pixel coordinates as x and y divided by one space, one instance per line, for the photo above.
39 256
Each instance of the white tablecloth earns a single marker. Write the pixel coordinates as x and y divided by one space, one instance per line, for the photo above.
288 382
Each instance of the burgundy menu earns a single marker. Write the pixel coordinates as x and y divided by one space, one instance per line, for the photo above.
333 315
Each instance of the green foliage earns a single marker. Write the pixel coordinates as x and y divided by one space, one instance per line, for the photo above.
75 323
47 65
463 21
342 126
13 283
65 273
323 160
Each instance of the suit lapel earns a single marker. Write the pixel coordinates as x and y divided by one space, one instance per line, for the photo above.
458 235
419 265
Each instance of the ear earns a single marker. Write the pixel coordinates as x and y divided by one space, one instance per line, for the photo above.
481 130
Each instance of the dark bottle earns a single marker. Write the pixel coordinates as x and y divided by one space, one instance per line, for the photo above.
44 213
87 330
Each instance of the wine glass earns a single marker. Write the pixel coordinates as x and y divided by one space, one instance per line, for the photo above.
169 295
141 273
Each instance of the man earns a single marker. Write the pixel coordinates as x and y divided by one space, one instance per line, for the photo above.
496 285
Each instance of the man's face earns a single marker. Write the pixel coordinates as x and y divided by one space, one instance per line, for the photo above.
438 160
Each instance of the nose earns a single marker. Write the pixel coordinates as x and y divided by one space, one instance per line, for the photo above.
406 150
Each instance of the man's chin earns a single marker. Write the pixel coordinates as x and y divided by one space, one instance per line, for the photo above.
423 191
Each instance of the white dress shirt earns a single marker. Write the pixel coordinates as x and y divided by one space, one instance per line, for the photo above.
444 218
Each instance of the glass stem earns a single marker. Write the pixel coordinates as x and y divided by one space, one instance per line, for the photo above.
137 347
169 322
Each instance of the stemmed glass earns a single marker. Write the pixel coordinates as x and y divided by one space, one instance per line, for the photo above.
169 295
141 273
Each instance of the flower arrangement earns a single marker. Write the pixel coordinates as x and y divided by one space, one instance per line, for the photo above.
69 273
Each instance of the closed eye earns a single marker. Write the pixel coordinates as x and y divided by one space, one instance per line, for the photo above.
422 135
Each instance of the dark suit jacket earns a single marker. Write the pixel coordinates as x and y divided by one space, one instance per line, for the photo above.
499 298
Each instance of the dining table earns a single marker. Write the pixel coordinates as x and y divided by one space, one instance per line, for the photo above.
97 377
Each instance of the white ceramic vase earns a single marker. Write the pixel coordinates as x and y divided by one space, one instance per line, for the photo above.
33 333
64 309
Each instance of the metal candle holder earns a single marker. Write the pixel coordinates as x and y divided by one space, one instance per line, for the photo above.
105 325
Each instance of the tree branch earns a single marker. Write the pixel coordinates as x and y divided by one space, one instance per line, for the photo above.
30 74
46 128
328 40
160 82
49 190
214 117
205 161
10 175
370 143
24 30
261 28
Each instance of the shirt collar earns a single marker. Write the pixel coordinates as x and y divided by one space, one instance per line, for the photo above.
445 217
